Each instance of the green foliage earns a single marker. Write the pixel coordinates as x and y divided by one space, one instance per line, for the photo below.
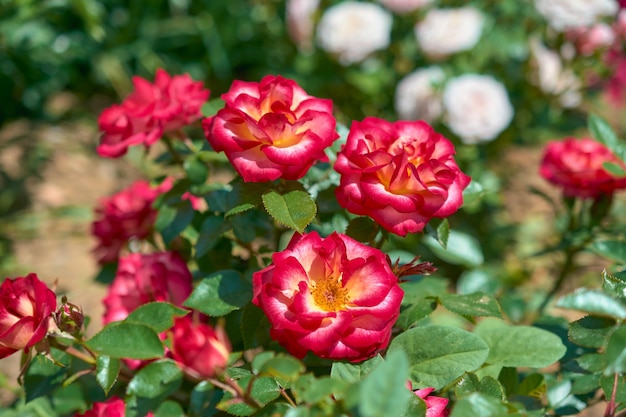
220 293
127 340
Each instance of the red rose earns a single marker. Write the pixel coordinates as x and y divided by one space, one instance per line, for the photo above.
272 129
332 296
113 407
576 165
125 215
26 305
435 406
150 111
200 351
142 278
400 174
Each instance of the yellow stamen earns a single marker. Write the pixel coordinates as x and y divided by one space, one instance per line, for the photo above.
329 293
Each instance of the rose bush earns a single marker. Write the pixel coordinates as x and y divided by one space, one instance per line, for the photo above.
400 174
150 111
271 129
201 351
577 166
332 296
26 306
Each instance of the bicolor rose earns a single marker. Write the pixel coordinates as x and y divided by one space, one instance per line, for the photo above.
447 31
417 96
477 107
435 406
113 407
143 278
333 296
151 110
200 350
124 216
353 30
400 174
272 129
26 306
576 165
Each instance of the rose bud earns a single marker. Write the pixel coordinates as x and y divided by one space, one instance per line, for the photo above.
113 407
69 317
26 305
435 406
201 351
333 296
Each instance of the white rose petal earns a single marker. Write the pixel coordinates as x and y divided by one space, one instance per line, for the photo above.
404 6
299 14
353 30
446 31
568 14
477 107
416 98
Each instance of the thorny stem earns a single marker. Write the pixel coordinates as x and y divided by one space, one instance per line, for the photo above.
230 385
611 406
287 397
70 350
170 147
568 266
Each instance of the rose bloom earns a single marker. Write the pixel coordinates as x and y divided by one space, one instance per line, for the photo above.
332 296
150 111
143 278
272 129
26 305
552 78
300 24
435 406
576 165
404 6
568 14
447 31
123 216
353 30
477 107
113 407
417 97
400 174
201 351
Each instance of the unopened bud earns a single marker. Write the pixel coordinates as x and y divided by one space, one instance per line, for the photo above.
69 317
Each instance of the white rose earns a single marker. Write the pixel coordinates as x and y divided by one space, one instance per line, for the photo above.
416 95
299 14
568 14
404 6
353 30
477 107
552 78
446 31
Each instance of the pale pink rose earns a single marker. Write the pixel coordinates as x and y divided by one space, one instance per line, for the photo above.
333 296
567 14
300 24
271 129
446 31
404 6
418 96
589 40
400 174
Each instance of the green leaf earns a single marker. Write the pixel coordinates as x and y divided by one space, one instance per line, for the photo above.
443 233
603 133
470 384
127 340
473 192
282 367
196 170
312 390
254 327
211 107
295 209
515 346
184 213
42 377
606 383
383 393
462 249
591 331
594 302
107 371
158 315
477 404
613 285
220 293
614 169
440 354
362 229
615 352
411 314
169 409
156 380
210 233
614 250
263 390
352 372
472 305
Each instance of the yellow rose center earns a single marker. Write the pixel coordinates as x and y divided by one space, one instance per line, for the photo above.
329 294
